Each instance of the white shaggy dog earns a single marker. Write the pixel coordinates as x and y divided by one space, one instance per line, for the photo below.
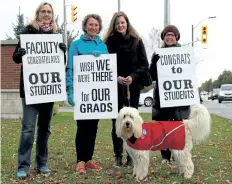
197 129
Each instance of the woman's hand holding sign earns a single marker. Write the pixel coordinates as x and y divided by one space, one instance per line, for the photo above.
21 52
63 47
96 53
155 58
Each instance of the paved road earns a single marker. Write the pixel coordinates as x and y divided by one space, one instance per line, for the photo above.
224 109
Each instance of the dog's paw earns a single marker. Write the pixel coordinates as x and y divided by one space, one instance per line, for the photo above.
187 176
141 179
133 174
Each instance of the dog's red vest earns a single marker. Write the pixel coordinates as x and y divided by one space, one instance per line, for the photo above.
161 135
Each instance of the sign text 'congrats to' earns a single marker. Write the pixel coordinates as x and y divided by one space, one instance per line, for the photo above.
177 77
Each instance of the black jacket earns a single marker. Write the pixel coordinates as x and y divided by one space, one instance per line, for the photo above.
131 56
168 113
17 59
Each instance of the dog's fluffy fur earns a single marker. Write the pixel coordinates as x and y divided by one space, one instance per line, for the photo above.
197 129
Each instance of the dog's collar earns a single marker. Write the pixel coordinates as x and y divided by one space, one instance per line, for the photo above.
132 139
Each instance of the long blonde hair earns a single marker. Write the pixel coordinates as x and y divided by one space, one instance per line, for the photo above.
130 29
35 22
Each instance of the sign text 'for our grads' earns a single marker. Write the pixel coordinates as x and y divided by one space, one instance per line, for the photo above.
43 67
177 77
95 87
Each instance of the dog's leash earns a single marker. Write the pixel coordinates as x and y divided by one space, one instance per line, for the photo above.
128 94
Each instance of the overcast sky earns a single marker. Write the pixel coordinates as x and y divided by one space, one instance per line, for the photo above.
147 14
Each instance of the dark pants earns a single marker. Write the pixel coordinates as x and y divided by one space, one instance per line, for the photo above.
85 139
123 101
30 112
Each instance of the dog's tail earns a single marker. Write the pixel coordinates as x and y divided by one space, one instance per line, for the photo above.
199 123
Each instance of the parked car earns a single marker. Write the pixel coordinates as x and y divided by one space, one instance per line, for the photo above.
210 97
215 93
146 98
204 93
225 93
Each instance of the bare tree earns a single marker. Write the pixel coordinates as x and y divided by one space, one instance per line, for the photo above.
70 33
154 40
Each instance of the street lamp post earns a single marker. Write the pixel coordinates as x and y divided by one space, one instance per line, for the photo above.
119 5
193 27
166 12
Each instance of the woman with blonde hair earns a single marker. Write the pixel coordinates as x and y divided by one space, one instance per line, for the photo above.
132 65
42 24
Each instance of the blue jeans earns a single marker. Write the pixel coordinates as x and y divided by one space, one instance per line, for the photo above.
30 112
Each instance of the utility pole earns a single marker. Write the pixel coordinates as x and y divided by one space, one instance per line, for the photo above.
192 35
65 25
166 13
119 5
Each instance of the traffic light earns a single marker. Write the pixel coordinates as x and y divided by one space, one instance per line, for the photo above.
204 34
74 13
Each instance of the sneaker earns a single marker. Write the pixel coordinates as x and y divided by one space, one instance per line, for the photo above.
93 166
80 167
21 174
43 170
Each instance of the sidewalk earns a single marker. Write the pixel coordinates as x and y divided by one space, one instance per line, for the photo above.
65 109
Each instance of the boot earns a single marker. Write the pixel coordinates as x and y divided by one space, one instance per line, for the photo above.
129 161
166 155
118 162
118 149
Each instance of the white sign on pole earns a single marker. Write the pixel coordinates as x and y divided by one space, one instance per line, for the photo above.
95 87
177 77
43 68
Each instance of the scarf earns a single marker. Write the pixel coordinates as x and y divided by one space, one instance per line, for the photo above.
45 27
176 45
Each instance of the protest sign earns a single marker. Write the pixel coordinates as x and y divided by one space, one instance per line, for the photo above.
43 68
177 77
95 87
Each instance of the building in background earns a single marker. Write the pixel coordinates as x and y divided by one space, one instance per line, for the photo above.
11 105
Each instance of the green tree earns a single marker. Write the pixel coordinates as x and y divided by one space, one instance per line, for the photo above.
207 86
225 77
216 84
17 28
20 26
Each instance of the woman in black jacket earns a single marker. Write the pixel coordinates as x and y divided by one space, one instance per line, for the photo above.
123 40
42 24
170 35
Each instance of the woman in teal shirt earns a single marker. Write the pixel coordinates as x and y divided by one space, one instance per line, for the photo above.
88 44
